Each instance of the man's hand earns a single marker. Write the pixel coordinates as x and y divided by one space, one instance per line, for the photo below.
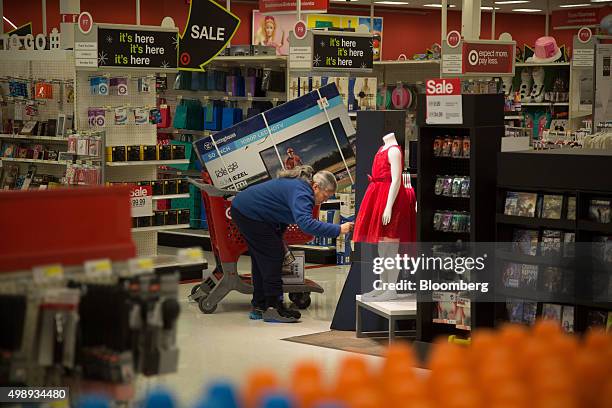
346 227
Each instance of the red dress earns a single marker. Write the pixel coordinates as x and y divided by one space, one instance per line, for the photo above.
369 226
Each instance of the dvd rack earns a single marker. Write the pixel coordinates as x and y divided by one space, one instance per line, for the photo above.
480 137
583 294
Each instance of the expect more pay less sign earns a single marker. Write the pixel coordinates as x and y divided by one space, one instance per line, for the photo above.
487 57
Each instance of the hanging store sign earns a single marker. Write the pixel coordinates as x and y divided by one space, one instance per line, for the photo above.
146 48
444 101
273 6
208 31
573 19
344 52
85 22
488 57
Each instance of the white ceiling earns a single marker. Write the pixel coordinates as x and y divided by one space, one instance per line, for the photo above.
503 8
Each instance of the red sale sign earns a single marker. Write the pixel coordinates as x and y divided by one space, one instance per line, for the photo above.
444 102
141 201
445 86
270 6
488 58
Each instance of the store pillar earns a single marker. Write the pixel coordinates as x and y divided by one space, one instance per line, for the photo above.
470 19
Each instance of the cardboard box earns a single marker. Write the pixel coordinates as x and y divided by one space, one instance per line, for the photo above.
294 274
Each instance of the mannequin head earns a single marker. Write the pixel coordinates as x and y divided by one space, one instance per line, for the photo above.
526 75
538 75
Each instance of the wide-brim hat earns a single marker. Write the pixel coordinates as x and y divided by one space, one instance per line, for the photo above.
546 50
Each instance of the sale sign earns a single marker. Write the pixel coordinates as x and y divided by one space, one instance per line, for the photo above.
491 58
141 201
270 6
444 103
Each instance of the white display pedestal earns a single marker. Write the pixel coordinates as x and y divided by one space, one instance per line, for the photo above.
404 308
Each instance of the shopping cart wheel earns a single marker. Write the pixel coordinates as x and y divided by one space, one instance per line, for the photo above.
301 300
204 307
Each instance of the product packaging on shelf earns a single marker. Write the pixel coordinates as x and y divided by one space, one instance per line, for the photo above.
148 152
133 153
115 153
164 152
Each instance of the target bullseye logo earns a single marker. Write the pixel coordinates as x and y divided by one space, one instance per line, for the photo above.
185 58
473 57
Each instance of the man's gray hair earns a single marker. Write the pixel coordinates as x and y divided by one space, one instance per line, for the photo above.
326 180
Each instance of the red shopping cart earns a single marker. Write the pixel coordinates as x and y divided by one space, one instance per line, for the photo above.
227 245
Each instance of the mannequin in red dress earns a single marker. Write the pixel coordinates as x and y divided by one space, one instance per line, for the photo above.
387 213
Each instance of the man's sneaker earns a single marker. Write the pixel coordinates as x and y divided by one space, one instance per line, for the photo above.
256 312
280 314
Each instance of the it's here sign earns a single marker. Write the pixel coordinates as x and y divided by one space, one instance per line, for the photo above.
444 104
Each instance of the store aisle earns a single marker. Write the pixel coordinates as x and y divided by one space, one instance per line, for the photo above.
228 345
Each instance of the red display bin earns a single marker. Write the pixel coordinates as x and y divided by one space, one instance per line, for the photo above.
67 226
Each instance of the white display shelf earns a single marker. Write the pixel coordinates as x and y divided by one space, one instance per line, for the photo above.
146 163
26 137
581 114
406 62
51 162
544 103
226 97
202 133
547 64
249 59
170 196
160 228
190 232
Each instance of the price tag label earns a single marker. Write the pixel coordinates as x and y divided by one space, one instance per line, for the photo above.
140 265
48 273
191 255
141 201
98 268
444 103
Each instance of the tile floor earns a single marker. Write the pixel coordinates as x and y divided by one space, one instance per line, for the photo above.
228 345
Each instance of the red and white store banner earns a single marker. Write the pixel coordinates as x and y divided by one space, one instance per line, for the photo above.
444 102
580 17
274 6
488 58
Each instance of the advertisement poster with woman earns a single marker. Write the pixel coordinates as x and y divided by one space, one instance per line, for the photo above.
273 29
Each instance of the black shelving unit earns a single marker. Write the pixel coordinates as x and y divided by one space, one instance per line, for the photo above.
483 123
579 173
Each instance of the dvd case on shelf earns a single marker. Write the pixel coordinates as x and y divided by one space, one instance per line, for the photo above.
552 206
529 276
551 311
599 211
567 319
525 241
